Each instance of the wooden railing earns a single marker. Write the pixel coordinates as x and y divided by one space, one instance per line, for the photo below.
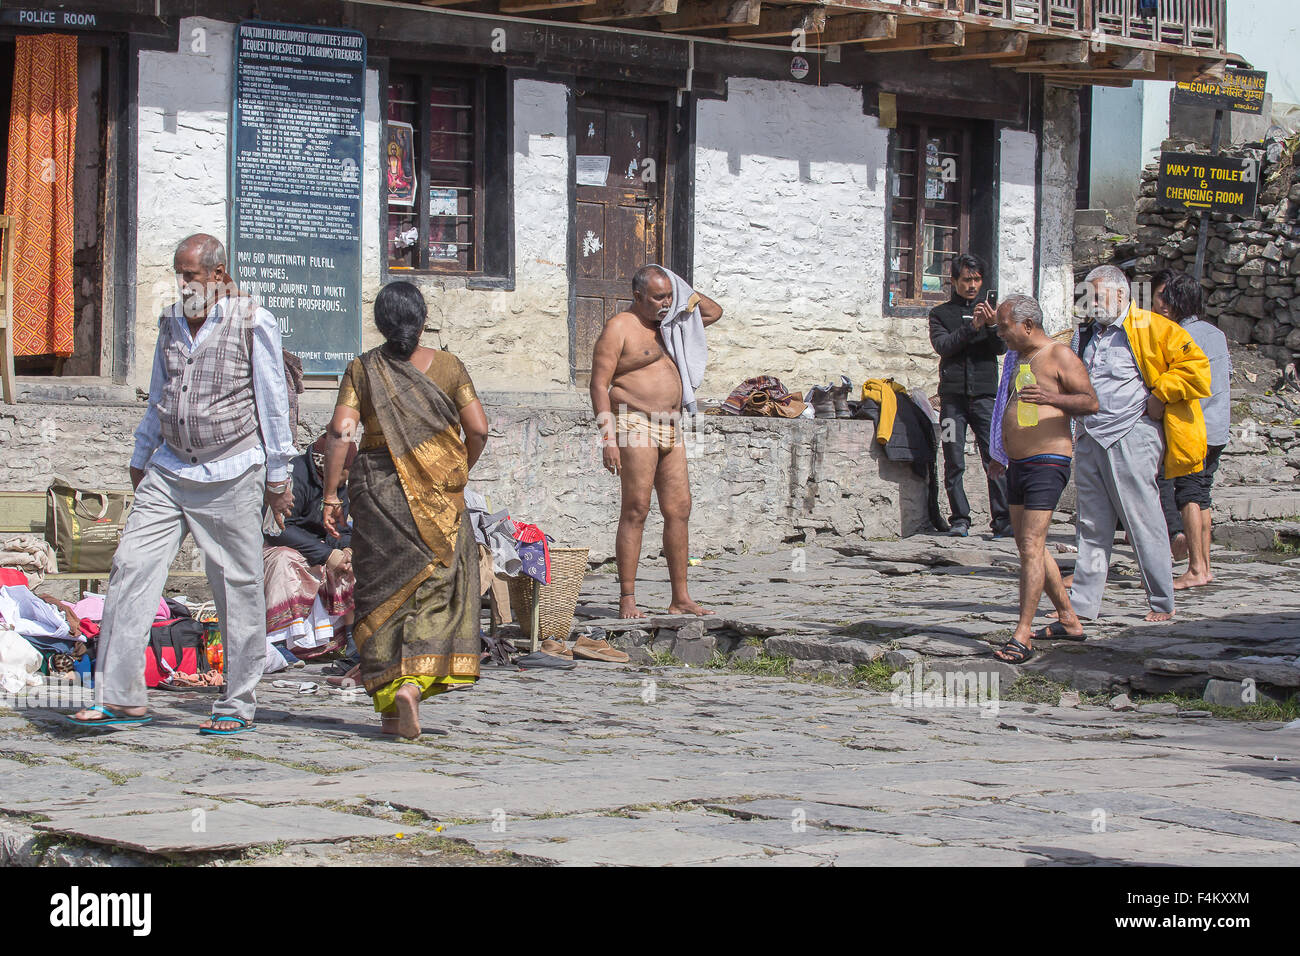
1185 23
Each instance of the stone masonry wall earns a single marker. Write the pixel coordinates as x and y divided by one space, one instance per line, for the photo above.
756 482
1252 266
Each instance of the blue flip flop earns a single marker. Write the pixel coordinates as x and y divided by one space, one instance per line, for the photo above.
213 732
110 718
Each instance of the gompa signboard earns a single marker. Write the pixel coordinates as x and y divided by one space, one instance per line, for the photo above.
1241 91
296 184
1226 184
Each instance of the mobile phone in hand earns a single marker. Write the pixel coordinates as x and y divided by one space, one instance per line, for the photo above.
991 297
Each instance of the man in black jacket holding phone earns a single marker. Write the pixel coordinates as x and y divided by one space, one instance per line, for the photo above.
964 333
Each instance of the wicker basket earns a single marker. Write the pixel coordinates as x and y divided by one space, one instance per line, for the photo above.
557 600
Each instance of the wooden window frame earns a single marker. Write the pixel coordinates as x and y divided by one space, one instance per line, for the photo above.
920 302
427 78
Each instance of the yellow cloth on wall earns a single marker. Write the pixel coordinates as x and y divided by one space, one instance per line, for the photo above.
884 392
38 192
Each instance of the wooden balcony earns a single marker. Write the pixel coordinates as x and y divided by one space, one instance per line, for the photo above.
1072 42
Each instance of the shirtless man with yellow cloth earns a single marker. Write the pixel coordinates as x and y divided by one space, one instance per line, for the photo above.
645 366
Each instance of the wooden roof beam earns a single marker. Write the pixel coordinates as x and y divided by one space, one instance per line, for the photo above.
713 15
1123 64
534 6
775 22
991 45
858 28
921 36
602 11
1077 81
1052 53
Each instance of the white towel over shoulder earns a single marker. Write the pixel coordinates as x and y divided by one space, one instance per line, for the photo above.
683 334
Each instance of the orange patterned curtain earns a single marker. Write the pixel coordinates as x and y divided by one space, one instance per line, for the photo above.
38 192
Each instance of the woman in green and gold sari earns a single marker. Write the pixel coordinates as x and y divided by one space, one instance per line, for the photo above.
413 551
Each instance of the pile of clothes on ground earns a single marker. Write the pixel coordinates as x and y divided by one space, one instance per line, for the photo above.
510 549
47 640
41 637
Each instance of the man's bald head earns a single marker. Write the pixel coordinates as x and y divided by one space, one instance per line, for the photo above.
1019 321
211 253
652 293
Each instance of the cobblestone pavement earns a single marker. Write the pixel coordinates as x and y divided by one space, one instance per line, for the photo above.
646 764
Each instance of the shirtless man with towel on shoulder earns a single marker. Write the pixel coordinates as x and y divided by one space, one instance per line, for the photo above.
647 363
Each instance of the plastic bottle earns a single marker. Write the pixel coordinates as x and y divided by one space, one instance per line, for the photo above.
1026 412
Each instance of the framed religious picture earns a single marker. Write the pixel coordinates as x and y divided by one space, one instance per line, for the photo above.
399 164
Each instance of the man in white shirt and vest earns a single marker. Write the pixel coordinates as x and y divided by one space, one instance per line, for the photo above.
212 451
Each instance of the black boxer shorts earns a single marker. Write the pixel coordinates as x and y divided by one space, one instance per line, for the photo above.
1195 489
1036 482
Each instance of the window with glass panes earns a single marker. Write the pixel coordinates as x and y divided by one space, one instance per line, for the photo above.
929 209
432 172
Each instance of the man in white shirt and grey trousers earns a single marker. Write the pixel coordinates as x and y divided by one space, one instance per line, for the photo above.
214 448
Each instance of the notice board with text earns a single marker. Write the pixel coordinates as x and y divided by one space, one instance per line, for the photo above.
296 159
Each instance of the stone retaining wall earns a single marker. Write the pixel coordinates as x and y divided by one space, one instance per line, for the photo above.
1252 266
756 482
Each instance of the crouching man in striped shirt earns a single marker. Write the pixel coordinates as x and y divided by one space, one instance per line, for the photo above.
213 449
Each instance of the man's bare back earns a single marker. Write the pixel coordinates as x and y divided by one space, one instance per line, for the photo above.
1051 436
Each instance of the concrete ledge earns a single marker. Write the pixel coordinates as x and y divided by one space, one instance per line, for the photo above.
75 390
755 481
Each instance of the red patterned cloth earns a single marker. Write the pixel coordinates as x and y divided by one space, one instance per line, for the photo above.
38 191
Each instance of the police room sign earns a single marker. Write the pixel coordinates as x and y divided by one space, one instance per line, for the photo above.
1226 184
61 19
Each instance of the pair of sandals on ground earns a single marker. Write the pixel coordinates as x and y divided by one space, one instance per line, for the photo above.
218 725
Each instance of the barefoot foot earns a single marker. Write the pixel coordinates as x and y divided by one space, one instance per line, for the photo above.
1156 617
687 607
1190 580
408 711
627 607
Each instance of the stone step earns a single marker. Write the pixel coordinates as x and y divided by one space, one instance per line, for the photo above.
1257 503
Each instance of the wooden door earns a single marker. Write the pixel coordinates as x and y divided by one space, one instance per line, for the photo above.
620 222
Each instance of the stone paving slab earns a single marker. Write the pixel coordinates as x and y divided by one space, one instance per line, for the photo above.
228 827
610 765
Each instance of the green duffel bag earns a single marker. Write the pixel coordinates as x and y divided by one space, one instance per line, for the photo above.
84 525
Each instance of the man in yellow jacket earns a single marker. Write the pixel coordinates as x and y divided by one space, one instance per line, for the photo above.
1133 356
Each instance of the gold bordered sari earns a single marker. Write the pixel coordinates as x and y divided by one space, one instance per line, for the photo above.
413 550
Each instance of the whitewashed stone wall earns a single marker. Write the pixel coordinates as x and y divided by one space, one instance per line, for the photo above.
511 340
790 195
183 116
1017 213
790 192
1060 176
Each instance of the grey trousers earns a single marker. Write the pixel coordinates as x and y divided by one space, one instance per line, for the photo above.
1120 481
225 518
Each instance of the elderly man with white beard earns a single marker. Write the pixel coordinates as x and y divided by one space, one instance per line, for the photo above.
1148 374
